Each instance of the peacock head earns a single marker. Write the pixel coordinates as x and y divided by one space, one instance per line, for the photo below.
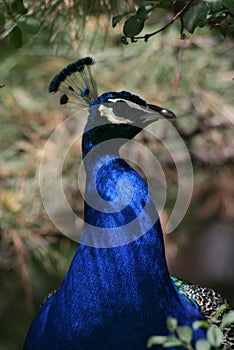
113 115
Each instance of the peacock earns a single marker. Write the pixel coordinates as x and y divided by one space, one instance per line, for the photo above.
117 292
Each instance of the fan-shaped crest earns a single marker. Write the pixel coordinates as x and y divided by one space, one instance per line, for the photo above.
76 83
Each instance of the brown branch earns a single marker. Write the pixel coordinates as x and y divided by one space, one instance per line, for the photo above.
147 36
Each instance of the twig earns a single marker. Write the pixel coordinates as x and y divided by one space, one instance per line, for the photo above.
147 36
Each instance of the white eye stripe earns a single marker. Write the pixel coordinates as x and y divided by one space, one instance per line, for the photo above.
130 103
112 118
115 100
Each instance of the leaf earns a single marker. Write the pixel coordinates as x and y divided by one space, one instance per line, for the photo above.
172 341
229 4
16 37
29 24
166 4
228 29
117 19
144 12
171 323
214 336
199 324
227 320
219 312
133 26
195 16
18 7
156 340
2 20
202 344
215 6
185 333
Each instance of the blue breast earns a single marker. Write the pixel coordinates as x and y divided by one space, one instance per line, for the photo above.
117 292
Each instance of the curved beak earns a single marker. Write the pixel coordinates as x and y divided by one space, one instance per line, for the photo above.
165 113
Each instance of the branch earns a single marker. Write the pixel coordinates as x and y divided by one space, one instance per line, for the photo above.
147 36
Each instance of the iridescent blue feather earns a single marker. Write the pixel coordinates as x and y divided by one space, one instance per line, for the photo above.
115 295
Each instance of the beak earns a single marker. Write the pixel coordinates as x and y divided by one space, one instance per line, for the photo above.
165 113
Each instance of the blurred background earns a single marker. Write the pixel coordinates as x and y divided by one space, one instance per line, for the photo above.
192 77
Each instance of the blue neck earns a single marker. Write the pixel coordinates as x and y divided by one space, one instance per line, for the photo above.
124 270
117 292
136 246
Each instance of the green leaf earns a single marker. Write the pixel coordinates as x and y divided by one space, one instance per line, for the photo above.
195 16
2 20
166 4
185 333
156 340
219 312
202 344
215 5
229 29
229 4
133 26
227 320
199 324
144 12
16 37
117 19
171 323
172 341
214 336
18 7
29 24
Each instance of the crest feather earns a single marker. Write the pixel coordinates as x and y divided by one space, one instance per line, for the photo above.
76 83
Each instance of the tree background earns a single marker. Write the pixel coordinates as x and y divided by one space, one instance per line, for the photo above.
188 67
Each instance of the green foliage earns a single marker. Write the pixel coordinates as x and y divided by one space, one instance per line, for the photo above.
172 324
202 344
15 21
116 19
2 20
134 25
66 21
229 4
196 16
192 14
214 336
183 335
29 24
16 37
200 324
58 21
227 320
18 7
217 14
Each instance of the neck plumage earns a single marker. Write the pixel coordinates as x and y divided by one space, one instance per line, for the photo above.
123 229
119 209
119 276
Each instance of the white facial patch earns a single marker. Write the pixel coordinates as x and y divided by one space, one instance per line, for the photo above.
142 114
112 118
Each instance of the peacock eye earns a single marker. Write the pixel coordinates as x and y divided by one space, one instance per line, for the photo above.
121 109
